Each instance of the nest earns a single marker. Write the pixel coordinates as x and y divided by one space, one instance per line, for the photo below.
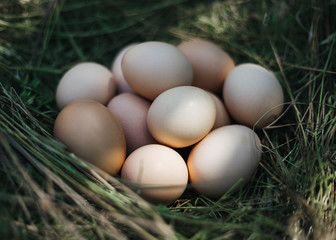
49 193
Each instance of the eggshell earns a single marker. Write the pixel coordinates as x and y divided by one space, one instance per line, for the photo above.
157 172
224 156
87 80
122 85
181 116
252 95
222 116
210 64
150 68
131 111
91 131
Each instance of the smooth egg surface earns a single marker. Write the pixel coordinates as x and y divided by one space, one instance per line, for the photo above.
91 131
150 68
222 116
253 96
181 116
210 63
87 80
222 158
131 110
122 85
157 172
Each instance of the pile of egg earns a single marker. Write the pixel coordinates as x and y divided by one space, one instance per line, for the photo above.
157 99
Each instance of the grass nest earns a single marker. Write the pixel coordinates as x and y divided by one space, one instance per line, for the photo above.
46 192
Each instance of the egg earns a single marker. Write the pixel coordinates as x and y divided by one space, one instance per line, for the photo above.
226 155
252 95
210 64
222 116
122 85
131 111
158 173
181 116
152 67
91 131
87 80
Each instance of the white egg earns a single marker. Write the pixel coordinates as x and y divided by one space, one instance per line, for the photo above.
87 80
252 95
157 172
181 116
122 84
222 158
150 68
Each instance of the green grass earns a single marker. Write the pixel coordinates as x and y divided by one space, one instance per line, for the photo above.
48 193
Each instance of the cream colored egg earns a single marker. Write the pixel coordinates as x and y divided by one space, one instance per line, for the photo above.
222 158
210 63
157 172
150 68
252 95
122 85
181 116
91 131
222 116
131 111
87 80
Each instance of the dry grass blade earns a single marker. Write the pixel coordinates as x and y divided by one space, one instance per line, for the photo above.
113 209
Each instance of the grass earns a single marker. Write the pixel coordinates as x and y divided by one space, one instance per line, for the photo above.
48 193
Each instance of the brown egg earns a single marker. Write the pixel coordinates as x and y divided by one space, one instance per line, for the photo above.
87 80
157 172
150 68
131 111
91 131
226 155
210 64
253 96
